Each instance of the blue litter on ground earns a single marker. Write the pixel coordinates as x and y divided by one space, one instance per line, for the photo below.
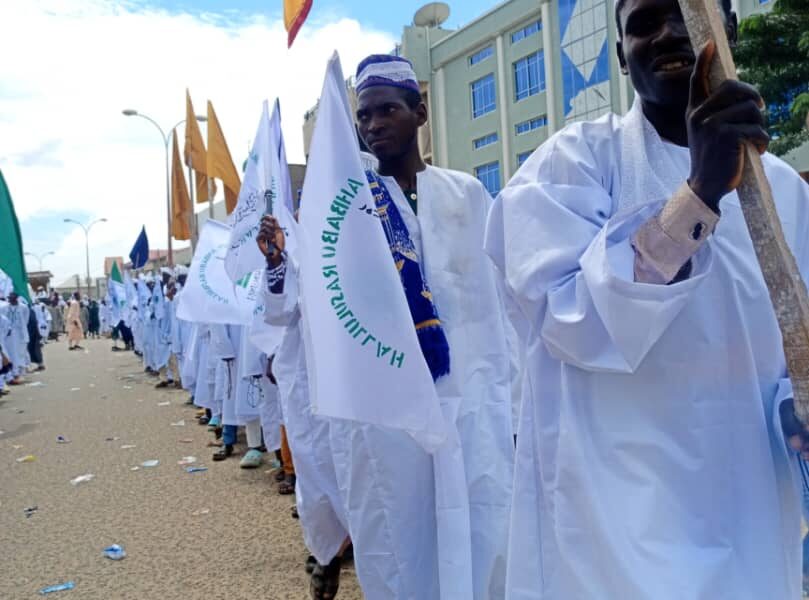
115 552
61 587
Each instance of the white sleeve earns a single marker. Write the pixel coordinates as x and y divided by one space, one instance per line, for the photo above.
568 263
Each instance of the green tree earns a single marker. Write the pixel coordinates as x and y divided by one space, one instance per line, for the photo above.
773 55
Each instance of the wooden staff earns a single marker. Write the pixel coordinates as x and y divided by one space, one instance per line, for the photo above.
787 289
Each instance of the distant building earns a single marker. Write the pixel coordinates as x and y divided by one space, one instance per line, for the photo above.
501 85
78 283
40 281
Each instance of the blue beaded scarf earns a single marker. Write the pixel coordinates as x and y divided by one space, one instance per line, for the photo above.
433 341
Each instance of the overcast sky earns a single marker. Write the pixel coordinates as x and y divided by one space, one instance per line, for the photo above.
70 66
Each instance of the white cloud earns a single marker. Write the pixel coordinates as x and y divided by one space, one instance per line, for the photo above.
71 66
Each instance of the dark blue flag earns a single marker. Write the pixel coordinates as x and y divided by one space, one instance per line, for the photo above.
140 251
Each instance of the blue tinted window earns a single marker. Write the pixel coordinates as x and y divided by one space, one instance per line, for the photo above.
525 32
481 55
489 176
483 96
485 140
522 157
530 125
529 76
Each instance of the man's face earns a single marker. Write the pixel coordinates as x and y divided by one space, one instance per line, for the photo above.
655 50
170 292
386 123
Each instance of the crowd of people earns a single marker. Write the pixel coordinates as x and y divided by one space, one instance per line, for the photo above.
600 338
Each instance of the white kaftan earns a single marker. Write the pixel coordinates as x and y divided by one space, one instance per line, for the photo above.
16 342
649 461
320 505
427 527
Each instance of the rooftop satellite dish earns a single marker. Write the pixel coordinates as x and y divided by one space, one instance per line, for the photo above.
432 14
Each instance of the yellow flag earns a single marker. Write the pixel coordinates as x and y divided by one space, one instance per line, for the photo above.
194 151
181 212
220 163
295 13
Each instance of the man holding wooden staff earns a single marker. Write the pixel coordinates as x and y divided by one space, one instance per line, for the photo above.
652 462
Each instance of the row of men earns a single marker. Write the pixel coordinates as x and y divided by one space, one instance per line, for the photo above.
24 329
613 291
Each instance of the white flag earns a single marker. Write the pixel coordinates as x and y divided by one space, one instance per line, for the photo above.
364 359
116 300
209 296
266 189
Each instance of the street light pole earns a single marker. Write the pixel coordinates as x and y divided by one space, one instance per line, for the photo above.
39 257
129 112
86 229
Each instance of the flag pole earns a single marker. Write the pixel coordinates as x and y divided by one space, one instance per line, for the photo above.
193 216
210 198
787 290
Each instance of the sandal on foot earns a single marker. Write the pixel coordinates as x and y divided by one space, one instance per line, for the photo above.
311 563
223 453
279 475
326 580
295 515
287 487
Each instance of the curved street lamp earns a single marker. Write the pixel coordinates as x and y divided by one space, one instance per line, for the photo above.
86 229
39 257
131 112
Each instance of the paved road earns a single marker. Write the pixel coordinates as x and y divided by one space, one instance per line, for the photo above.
247 547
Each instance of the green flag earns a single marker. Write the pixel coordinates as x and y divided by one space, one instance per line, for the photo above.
11 256
115 274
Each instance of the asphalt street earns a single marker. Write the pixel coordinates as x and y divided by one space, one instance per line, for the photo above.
224 533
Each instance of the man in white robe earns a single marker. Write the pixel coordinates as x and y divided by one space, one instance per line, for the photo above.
225 348
417 535
157 329
650 460
43 318
320 505
173 335
105 316
5 354
16 342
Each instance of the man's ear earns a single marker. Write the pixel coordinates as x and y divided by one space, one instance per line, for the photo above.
732 29
619 49
421 114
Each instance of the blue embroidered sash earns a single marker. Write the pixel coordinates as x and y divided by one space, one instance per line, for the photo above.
433 341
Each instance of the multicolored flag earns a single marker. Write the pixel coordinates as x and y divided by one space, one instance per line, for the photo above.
295 13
